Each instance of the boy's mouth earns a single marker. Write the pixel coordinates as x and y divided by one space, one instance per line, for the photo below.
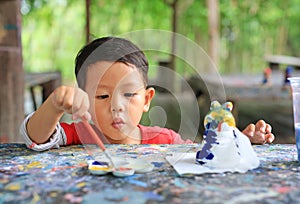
118 123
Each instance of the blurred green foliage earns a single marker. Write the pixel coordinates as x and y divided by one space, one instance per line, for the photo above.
54 30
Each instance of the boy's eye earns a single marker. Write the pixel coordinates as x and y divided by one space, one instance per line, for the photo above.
129 94
102 96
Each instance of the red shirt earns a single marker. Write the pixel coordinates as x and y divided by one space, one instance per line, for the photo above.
150 135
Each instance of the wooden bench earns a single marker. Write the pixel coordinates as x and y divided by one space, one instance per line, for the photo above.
275 60
48 81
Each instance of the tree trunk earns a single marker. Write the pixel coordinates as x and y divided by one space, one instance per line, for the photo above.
87 19
214 36
165 75
11 71
174 32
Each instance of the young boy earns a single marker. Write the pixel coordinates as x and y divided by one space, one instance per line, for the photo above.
112 77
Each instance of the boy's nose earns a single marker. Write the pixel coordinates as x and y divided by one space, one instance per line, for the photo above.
117 104
116 109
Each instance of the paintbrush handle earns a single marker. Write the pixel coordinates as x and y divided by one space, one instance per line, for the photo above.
98 141
110 159
94 135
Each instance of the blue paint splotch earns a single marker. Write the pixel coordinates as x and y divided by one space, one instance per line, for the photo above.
133 180
158 164
205 152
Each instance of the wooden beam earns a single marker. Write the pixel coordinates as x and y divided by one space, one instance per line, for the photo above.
282 60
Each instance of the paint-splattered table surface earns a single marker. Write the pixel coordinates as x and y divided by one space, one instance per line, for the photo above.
61 176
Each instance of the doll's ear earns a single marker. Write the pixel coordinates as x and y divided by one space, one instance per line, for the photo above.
150 92
228 106
214 104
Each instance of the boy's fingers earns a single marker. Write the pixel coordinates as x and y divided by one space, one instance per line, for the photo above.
87 116
249 130
68 101
84 116
81 107
63 98
260 138
260 133
270 138
80 101
261 126
80 113
268 129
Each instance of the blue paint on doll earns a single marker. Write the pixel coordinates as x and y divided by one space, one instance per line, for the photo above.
205 153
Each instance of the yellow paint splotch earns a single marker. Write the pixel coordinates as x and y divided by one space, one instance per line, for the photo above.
35 164
13 187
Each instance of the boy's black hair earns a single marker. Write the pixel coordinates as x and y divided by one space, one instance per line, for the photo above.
112 49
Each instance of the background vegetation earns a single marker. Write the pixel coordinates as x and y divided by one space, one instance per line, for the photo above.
54 30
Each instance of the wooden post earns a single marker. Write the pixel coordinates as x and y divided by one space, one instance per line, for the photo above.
11 71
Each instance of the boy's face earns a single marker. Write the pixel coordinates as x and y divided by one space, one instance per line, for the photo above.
118 99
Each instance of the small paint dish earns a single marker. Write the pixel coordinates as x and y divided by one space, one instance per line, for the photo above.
99 167
140 165
123 172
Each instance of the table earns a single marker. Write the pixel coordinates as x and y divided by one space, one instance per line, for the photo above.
61 176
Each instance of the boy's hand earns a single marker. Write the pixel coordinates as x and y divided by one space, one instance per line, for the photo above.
73 101
260 133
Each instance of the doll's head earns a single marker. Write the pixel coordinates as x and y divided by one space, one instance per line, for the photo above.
218 115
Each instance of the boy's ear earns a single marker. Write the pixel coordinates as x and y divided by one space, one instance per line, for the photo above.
150 92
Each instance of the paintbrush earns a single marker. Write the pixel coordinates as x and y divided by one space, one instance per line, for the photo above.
98 141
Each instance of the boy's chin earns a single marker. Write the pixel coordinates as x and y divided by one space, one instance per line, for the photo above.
116 137
119 135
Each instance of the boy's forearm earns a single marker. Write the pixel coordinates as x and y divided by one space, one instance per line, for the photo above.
43 122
